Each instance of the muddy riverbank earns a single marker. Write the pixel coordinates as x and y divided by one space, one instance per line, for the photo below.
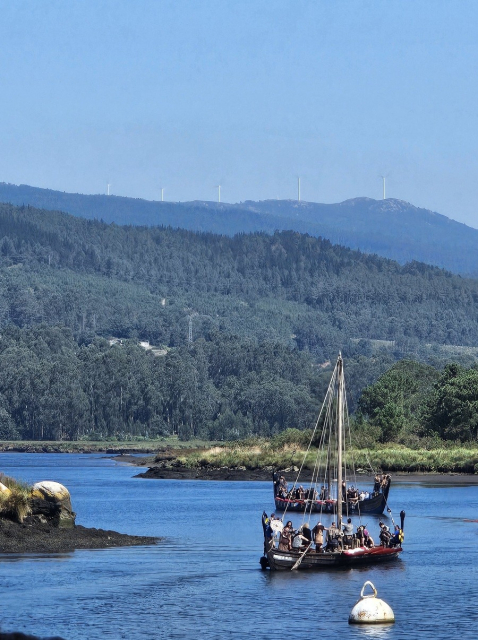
21 538
163 471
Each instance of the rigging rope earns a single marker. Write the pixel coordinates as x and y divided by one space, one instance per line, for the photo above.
328 412
317 422
325 470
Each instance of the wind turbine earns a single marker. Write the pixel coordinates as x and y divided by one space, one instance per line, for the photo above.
218 193
108 188
162 194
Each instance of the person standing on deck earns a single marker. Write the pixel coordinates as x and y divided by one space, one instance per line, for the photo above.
268 531
307 534
384 535
285 537
318 534
333 538
298 539
348 534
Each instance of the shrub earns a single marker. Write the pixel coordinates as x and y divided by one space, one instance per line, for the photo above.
15 505
290 437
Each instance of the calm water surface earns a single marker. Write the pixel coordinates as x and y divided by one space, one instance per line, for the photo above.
204 580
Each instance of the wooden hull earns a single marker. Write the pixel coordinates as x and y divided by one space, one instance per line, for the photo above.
285 560
375 505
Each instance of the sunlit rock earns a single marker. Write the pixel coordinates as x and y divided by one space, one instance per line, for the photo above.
51 502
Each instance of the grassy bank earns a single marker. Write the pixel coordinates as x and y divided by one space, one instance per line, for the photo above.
387 459
102 446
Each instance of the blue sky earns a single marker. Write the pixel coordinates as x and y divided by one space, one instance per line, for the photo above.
187 94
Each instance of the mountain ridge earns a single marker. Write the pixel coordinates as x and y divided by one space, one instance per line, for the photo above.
391 228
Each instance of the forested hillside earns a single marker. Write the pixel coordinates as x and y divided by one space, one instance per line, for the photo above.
264 310
141 281
391 228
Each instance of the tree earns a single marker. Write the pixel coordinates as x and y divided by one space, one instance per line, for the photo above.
395 402
452 410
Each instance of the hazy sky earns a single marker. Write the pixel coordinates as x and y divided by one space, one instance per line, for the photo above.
186 94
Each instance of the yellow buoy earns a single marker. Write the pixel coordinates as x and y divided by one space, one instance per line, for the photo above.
370 609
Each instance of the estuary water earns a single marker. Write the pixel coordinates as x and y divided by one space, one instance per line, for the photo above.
204 579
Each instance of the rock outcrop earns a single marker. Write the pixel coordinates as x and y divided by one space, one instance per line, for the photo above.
50 503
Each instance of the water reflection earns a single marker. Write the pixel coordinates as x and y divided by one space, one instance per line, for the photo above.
38 557
373 631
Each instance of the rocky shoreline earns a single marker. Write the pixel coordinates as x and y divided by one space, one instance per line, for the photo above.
44 538
204 473
40 519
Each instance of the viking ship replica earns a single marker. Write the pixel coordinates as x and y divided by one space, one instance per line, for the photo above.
310 499
331 471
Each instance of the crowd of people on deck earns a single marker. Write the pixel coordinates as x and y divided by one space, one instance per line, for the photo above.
352 495
326 539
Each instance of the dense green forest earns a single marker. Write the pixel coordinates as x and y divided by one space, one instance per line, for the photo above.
53 388
390 228
267 315
412 401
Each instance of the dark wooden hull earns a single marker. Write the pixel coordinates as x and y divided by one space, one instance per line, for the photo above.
285 560
375 505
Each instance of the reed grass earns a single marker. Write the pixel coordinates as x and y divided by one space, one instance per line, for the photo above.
15 505
395 458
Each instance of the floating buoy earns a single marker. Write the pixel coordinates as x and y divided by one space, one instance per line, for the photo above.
370 609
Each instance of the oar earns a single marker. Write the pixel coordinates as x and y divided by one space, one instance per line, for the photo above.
299 560
391 515
402 518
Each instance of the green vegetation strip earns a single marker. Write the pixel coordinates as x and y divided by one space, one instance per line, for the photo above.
392 458
111 445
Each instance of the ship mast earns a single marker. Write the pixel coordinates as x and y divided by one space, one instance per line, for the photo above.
340 420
